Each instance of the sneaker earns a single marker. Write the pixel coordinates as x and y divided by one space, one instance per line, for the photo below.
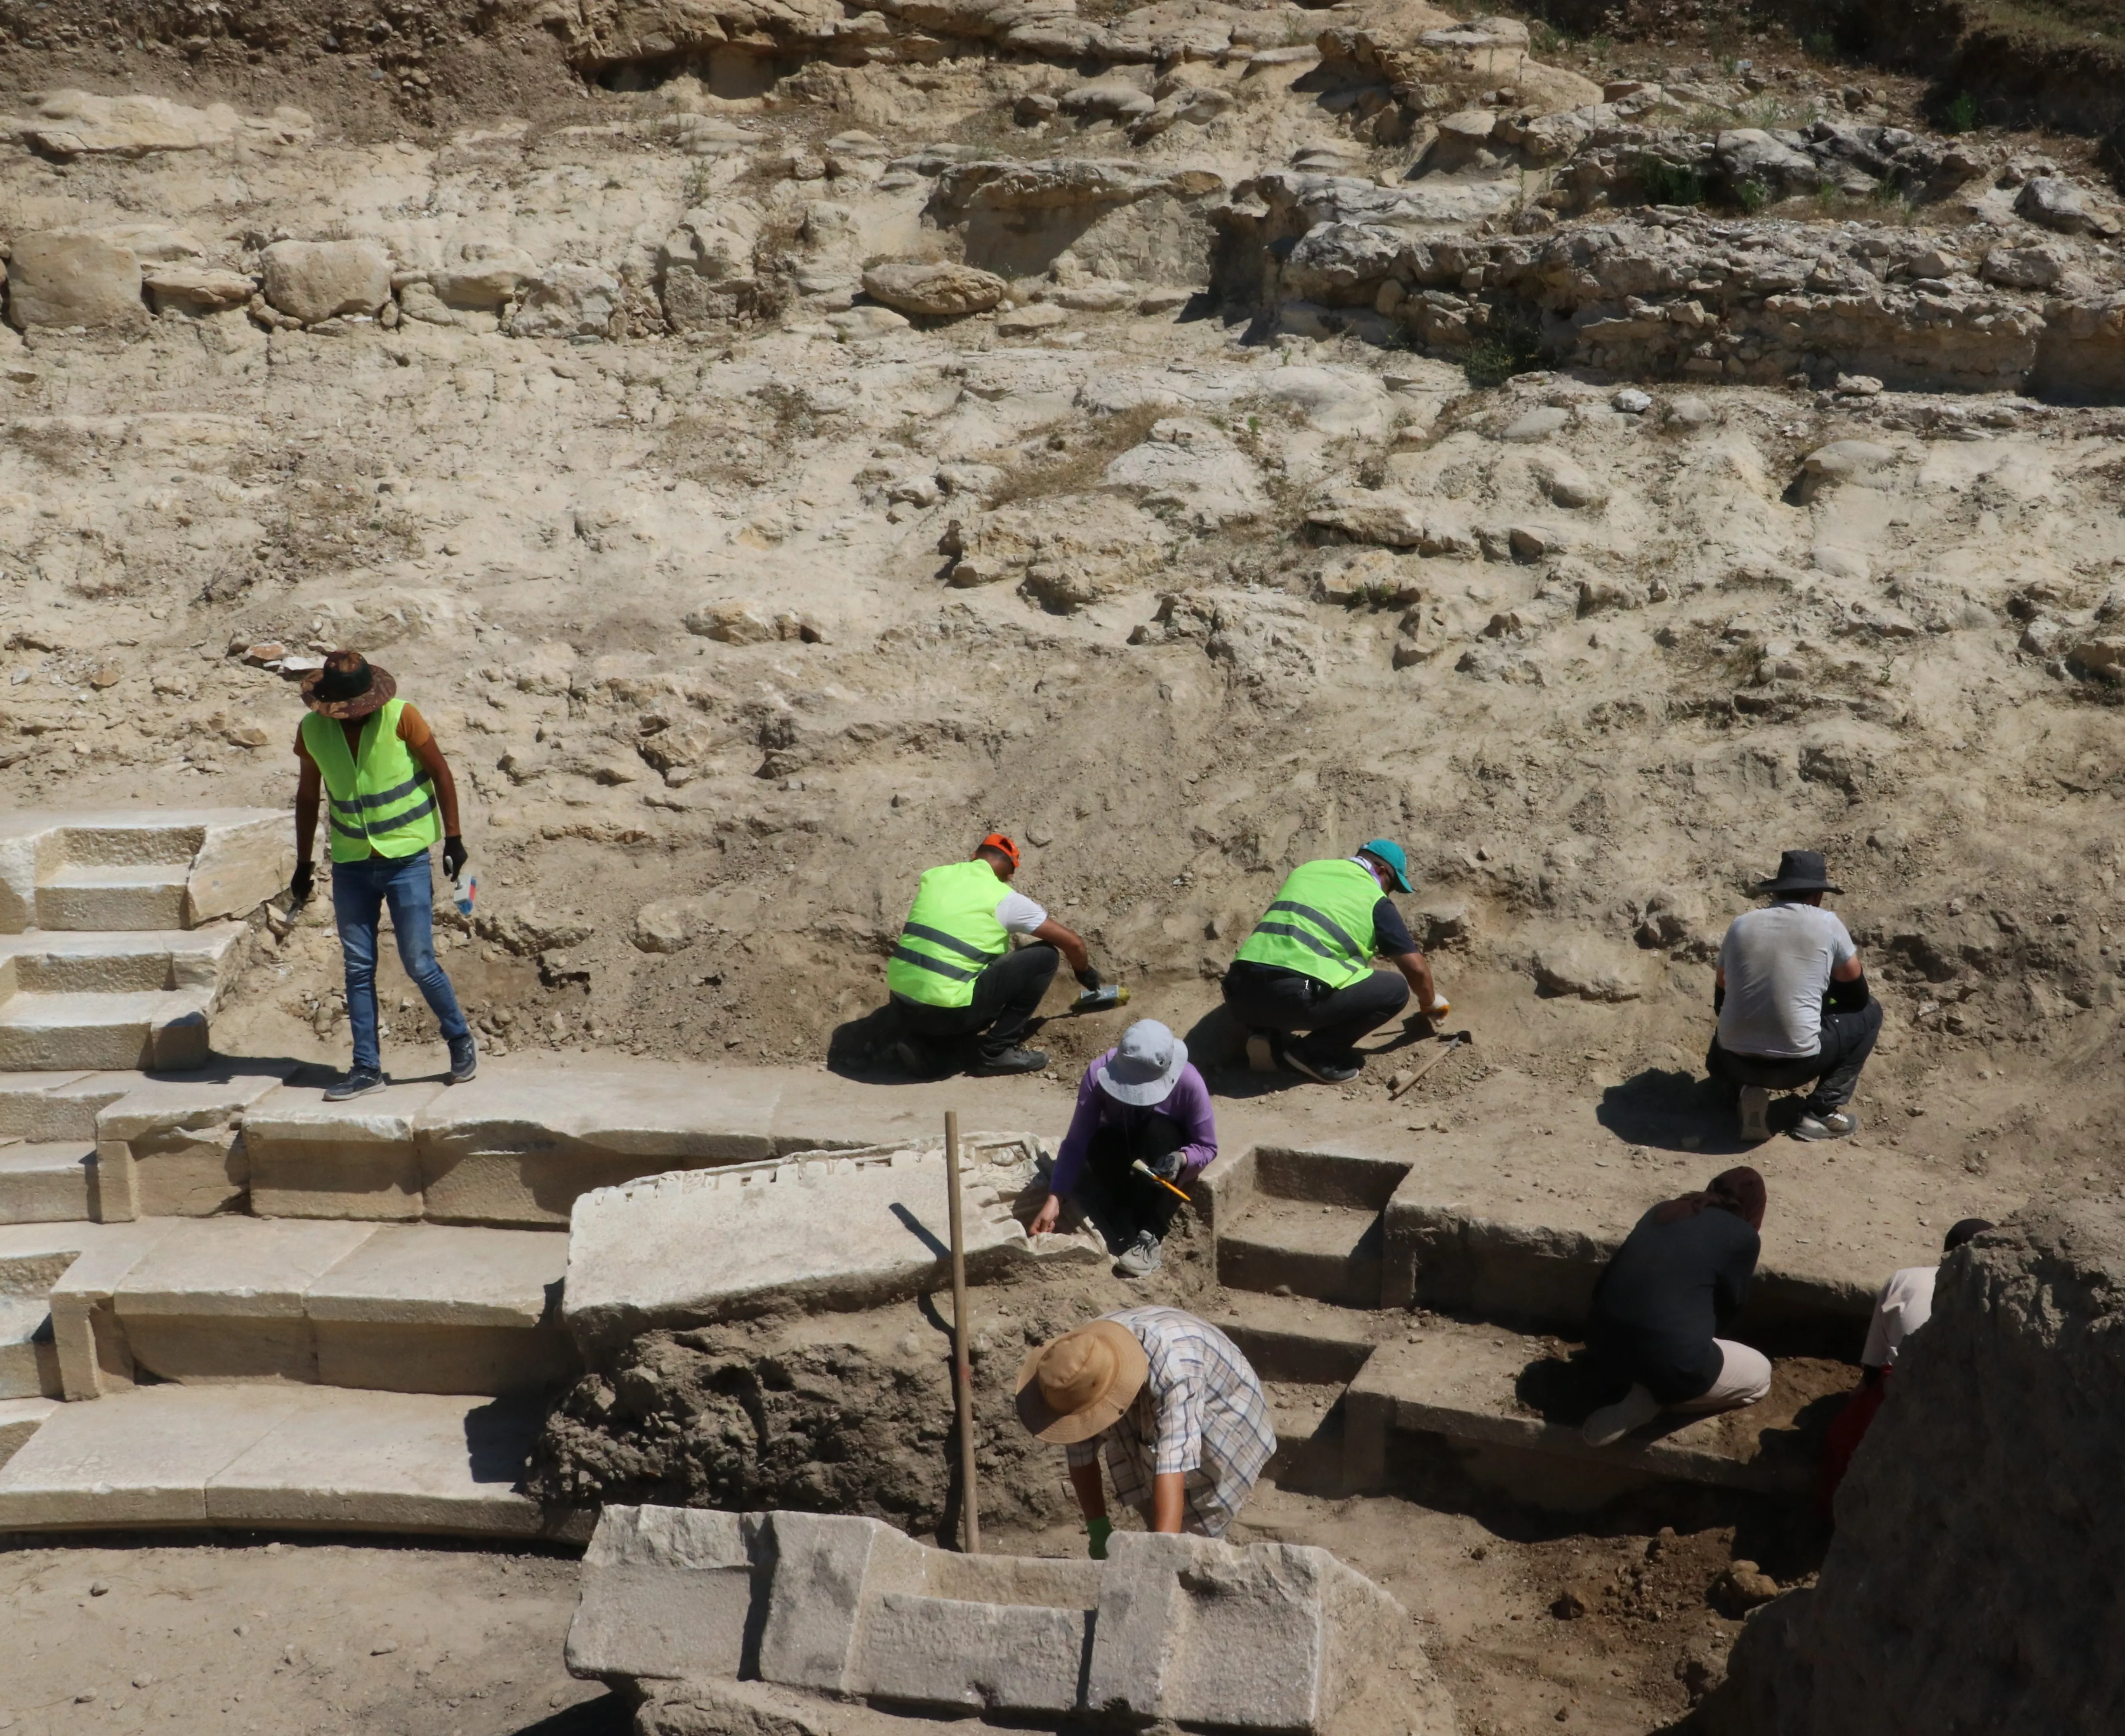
912 1059
358 1082
1837 1124
1328 1074
1140 1258
1611 1423
465 1059
1755 1113
1261 1052
1010 1060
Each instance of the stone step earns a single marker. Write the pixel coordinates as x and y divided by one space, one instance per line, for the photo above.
140 1029
58 961
45 1184
392 1308
1511 1408
29 1359
109 896
1330 1253
1298 1340
63 1104
19 1420
307 1458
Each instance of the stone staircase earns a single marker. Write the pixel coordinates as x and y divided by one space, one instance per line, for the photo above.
119 931
1328 1261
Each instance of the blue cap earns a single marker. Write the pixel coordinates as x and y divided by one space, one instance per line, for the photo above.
1391 853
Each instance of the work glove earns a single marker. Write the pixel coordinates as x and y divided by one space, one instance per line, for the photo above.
1098 1531
301 885
1166 1169
454 857
1088 979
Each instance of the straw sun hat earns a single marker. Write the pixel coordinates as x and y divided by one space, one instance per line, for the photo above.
1072 1388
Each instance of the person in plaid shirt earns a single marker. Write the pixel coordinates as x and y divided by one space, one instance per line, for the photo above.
1180 1413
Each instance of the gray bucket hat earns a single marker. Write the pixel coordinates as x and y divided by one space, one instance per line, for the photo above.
1147 1064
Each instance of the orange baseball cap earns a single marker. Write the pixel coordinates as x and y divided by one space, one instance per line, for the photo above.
997 841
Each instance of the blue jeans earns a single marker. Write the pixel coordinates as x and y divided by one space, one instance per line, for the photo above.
360 892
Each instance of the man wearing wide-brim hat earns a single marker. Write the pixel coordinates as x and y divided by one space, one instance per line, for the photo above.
1181 1415
1793 1008
370 759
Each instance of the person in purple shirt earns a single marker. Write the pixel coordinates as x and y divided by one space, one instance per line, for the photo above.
1141 1101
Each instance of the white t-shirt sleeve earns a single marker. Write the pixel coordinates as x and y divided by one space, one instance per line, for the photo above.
1841 942
1906 1304
1019 913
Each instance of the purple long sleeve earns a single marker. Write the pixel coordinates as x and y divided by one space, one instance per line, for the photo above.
1188 1104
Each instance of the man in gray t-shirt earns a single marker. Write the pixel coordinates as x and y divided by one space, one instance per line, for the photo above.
1793 1003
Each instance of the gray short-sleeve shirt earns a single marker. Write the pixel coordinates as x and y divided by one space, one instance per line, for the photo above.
1778 962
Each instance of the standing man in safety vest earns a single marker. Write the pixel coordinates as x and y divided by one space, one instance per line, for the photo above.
376 761
1308 965
953 974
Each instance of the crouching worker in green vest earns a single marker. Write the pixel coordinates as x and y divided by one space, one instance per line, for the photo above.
391 796
1308 965
955 981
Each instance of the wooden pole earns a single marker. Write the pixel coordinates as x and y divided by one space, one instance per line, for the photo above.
963 1369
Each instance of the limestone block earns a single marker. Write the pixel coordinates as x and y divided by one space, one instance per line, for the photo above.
143 1464
939 288
241 862
667 1593
196 288
19 1420
61 277
314 280
943 1652
1275 1636
44 1183
311 1159
517 1147
484 275
223 1299
381 1461
567 301
94 1358
826 1568
852 1231
43 1107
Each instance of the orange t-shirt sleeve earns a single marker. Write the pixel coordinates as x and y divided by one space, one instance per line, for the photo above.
413 728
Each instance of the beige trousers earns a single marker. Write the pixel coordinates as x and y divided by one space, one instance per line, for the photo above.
1745 1376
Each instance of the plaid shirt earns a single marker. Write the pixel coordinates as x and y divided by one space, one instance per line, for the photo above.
1201 1414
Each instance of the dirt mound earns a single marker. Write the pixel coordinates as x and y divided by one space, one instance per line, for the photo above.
1968 1586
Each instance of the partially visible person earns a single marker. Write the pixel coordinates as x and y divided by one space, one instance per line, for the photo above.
1791 995
1905 1305
390 797
963 995
1666 1301
1180 1413
1307 966
1141 1102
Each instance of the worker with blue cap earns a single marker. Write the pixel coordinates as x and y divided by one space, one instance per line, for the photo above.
1307 966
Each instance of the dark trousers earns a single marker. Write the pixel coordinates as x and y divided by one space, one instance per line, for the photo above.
1848 1039
1007 997
1120 1200
1265 997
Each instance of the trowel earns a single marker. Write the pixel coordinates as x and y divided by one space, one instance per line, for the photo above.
1104 998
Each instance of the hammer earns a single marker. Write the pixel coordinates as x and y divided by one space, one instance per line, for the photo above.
1451 1044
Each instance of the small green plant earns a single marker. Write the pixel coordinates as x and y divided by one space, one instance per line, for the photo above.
1752 195
1962 114
1600 47
1545 38
1511 344
1821 45
1729 65
1669 183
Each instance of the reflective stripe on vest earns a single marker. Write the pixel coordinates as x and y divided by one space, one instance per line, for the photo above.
384 804
1321 924
951 935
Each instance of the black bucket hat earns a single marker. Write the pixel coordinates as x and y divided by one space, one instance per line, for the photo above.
1799 870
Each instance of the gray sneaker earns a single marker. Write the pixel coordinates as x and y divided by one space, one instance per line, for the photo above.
1326 1072
358 1082
1837 1124
1141 1258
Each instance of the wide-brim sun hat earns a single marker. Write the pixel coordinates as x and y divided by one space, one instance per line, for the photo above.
1146 1066
1079 1384
1799 870
349 686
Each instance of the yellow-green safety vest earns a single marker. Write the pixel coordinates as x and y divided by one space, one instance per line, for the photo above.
951 935
1321 924
384 802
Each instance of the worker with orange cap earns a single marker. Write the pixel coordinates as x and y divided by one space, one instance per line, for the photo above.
954 977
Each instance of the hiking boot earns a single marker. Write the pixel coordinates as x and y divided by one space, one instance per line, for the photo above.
1328 1073
1010 1060
1611 1423
465 1059
914 1059
358 1082
1261 1052
1140 1258
1755 1112
1831 1124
